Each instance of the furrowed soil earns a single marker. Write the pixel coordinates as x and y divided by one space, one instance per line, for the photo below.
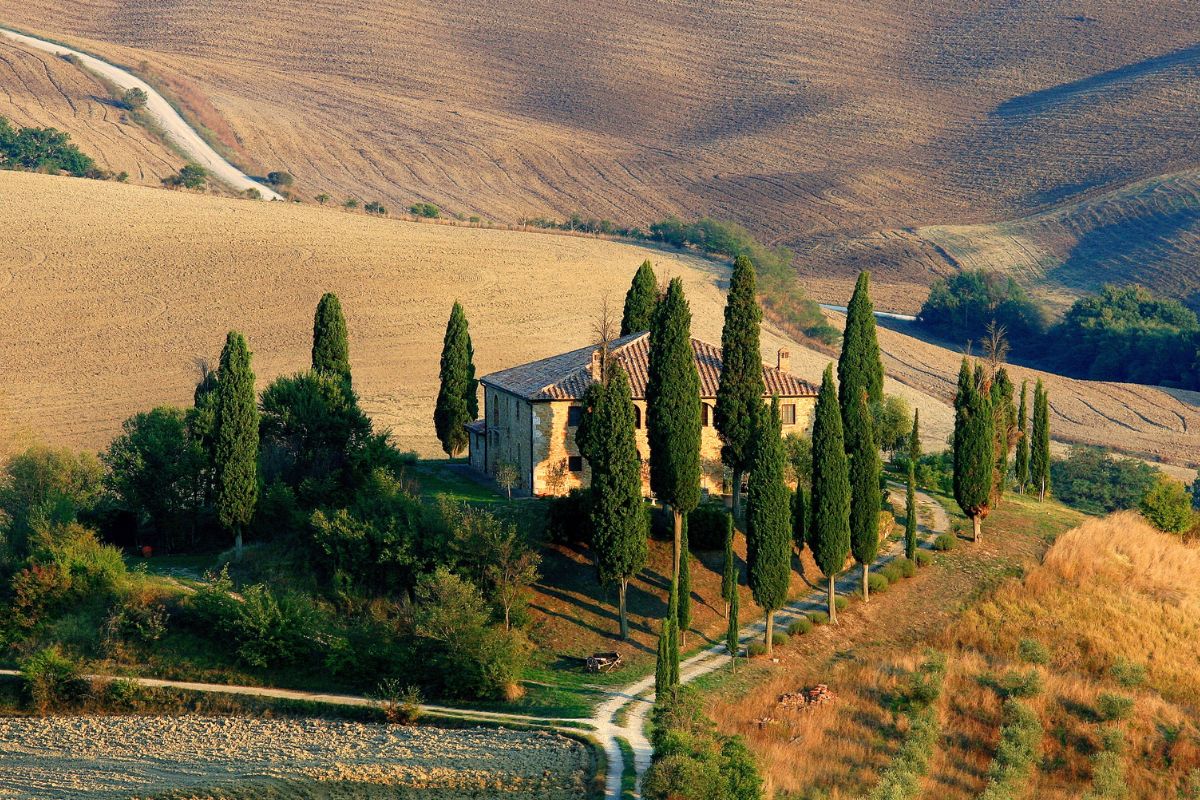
859 132
79 758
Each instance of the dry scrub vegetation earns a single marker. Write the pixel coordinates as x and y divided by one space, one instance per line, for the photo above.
1099 637
823 120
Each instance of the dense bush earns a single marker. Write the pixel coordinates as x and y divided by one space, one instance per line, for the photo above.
779 638
692 761
191 176
924 558
42 487
819 617
1112 707
1168 505
425 210
707 525
962 306
41 150
1032 651
1129 674
877 583
799 627
568 518
1020 745
755 649
53 680
945 542
1088 479
1016 684
935 471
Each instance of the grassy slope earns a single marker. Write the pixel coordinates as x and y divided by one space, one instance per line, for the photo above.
829 119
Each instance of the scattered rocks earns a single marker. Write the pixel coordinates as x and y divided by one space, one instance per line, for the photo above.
807 698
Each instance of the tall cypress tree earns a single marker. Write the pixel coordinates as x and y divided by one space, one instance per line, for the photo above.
236 439
910 495
683 613
457 400
331 347
1004 415
866 496
769 532
732 633
662 666
974 446
801 513
829 529
859 366
673 410
1039 447
741 390
640 300
673 649
729 574
1022 464
618 516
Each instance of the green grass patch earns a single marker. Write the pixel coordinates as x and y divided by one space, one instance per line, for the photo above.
628 770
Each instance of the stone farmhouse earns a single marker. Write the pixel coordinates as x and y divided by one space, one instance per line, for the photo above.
531 413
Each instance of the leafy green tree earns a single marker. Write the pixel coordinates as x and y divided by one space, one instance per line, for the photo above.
42 150
1004 416
962 306
43 487
910 495
236 439
640 300
1039 446
135 99
729 571
769 529
1022 461
191 176
1092 481
740 392
859 366
866 498
619 525
1168 506
893 422
829 531
673 411
331 347
313 436
457 400
154 471
974 445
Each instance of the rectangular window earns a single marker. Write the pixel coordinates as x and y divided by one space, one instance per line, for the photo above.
575 463
704 415
787 413
574 415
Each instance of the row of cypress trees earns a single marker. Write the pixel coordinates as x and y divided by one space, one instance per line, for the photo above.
236 417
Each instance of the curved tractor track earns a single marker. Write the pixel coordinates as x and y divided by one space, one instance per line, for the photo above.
182 135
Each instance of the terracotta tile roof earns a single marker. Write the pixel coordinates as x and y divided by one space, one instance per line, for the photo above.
568 375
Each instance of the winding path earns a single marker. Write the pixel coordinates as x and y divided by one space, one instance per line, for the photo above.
164 115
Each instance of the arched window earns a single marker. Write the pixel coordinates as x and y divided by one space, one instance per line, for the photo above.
637 417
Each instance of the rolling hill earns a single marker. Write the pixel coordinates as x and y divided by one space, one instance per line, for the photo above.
843 129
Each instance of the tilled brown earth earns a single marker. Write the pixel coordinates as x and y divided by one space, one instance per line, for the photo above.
111 757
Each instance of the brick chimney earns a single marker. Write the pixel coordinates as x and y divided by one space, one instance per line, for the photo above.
784 361
596 366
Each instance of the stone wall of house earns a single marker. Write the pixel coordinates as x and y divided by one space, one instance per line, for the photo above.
509 418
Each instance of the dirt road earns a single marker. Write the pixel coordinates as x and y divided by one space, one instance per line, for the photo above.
163 114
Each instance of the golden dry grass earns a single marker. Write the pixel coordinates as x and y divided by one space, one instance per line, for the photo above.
812 122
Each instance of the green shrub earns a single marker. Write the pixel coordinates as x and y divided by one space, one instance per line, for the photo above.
924 558
1020 744
706 527
1112 707
898 569
945 542
375 207
136 619
1168 506
123 695
1033 652
1016 684
280 178
755 649
191 176
1129 674
840 603
818 617
799 627
53 680
779 638
425 210
877 583
1092 481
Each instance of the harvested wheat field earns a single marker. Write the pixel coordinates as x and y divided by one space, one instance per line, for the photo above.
80 758
44 91
102 316
803 120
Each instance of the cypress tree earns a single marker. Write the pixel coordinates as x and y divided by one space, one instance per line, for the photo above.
910 495
801 512
769 529
236 439
865 494
829 529
662 667
457 400
673 649
731 630
741 390
729 575
640 300
1022 464
683 612
1004 415
859 366
330 348
974 446
619 526
1039 447
673 410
